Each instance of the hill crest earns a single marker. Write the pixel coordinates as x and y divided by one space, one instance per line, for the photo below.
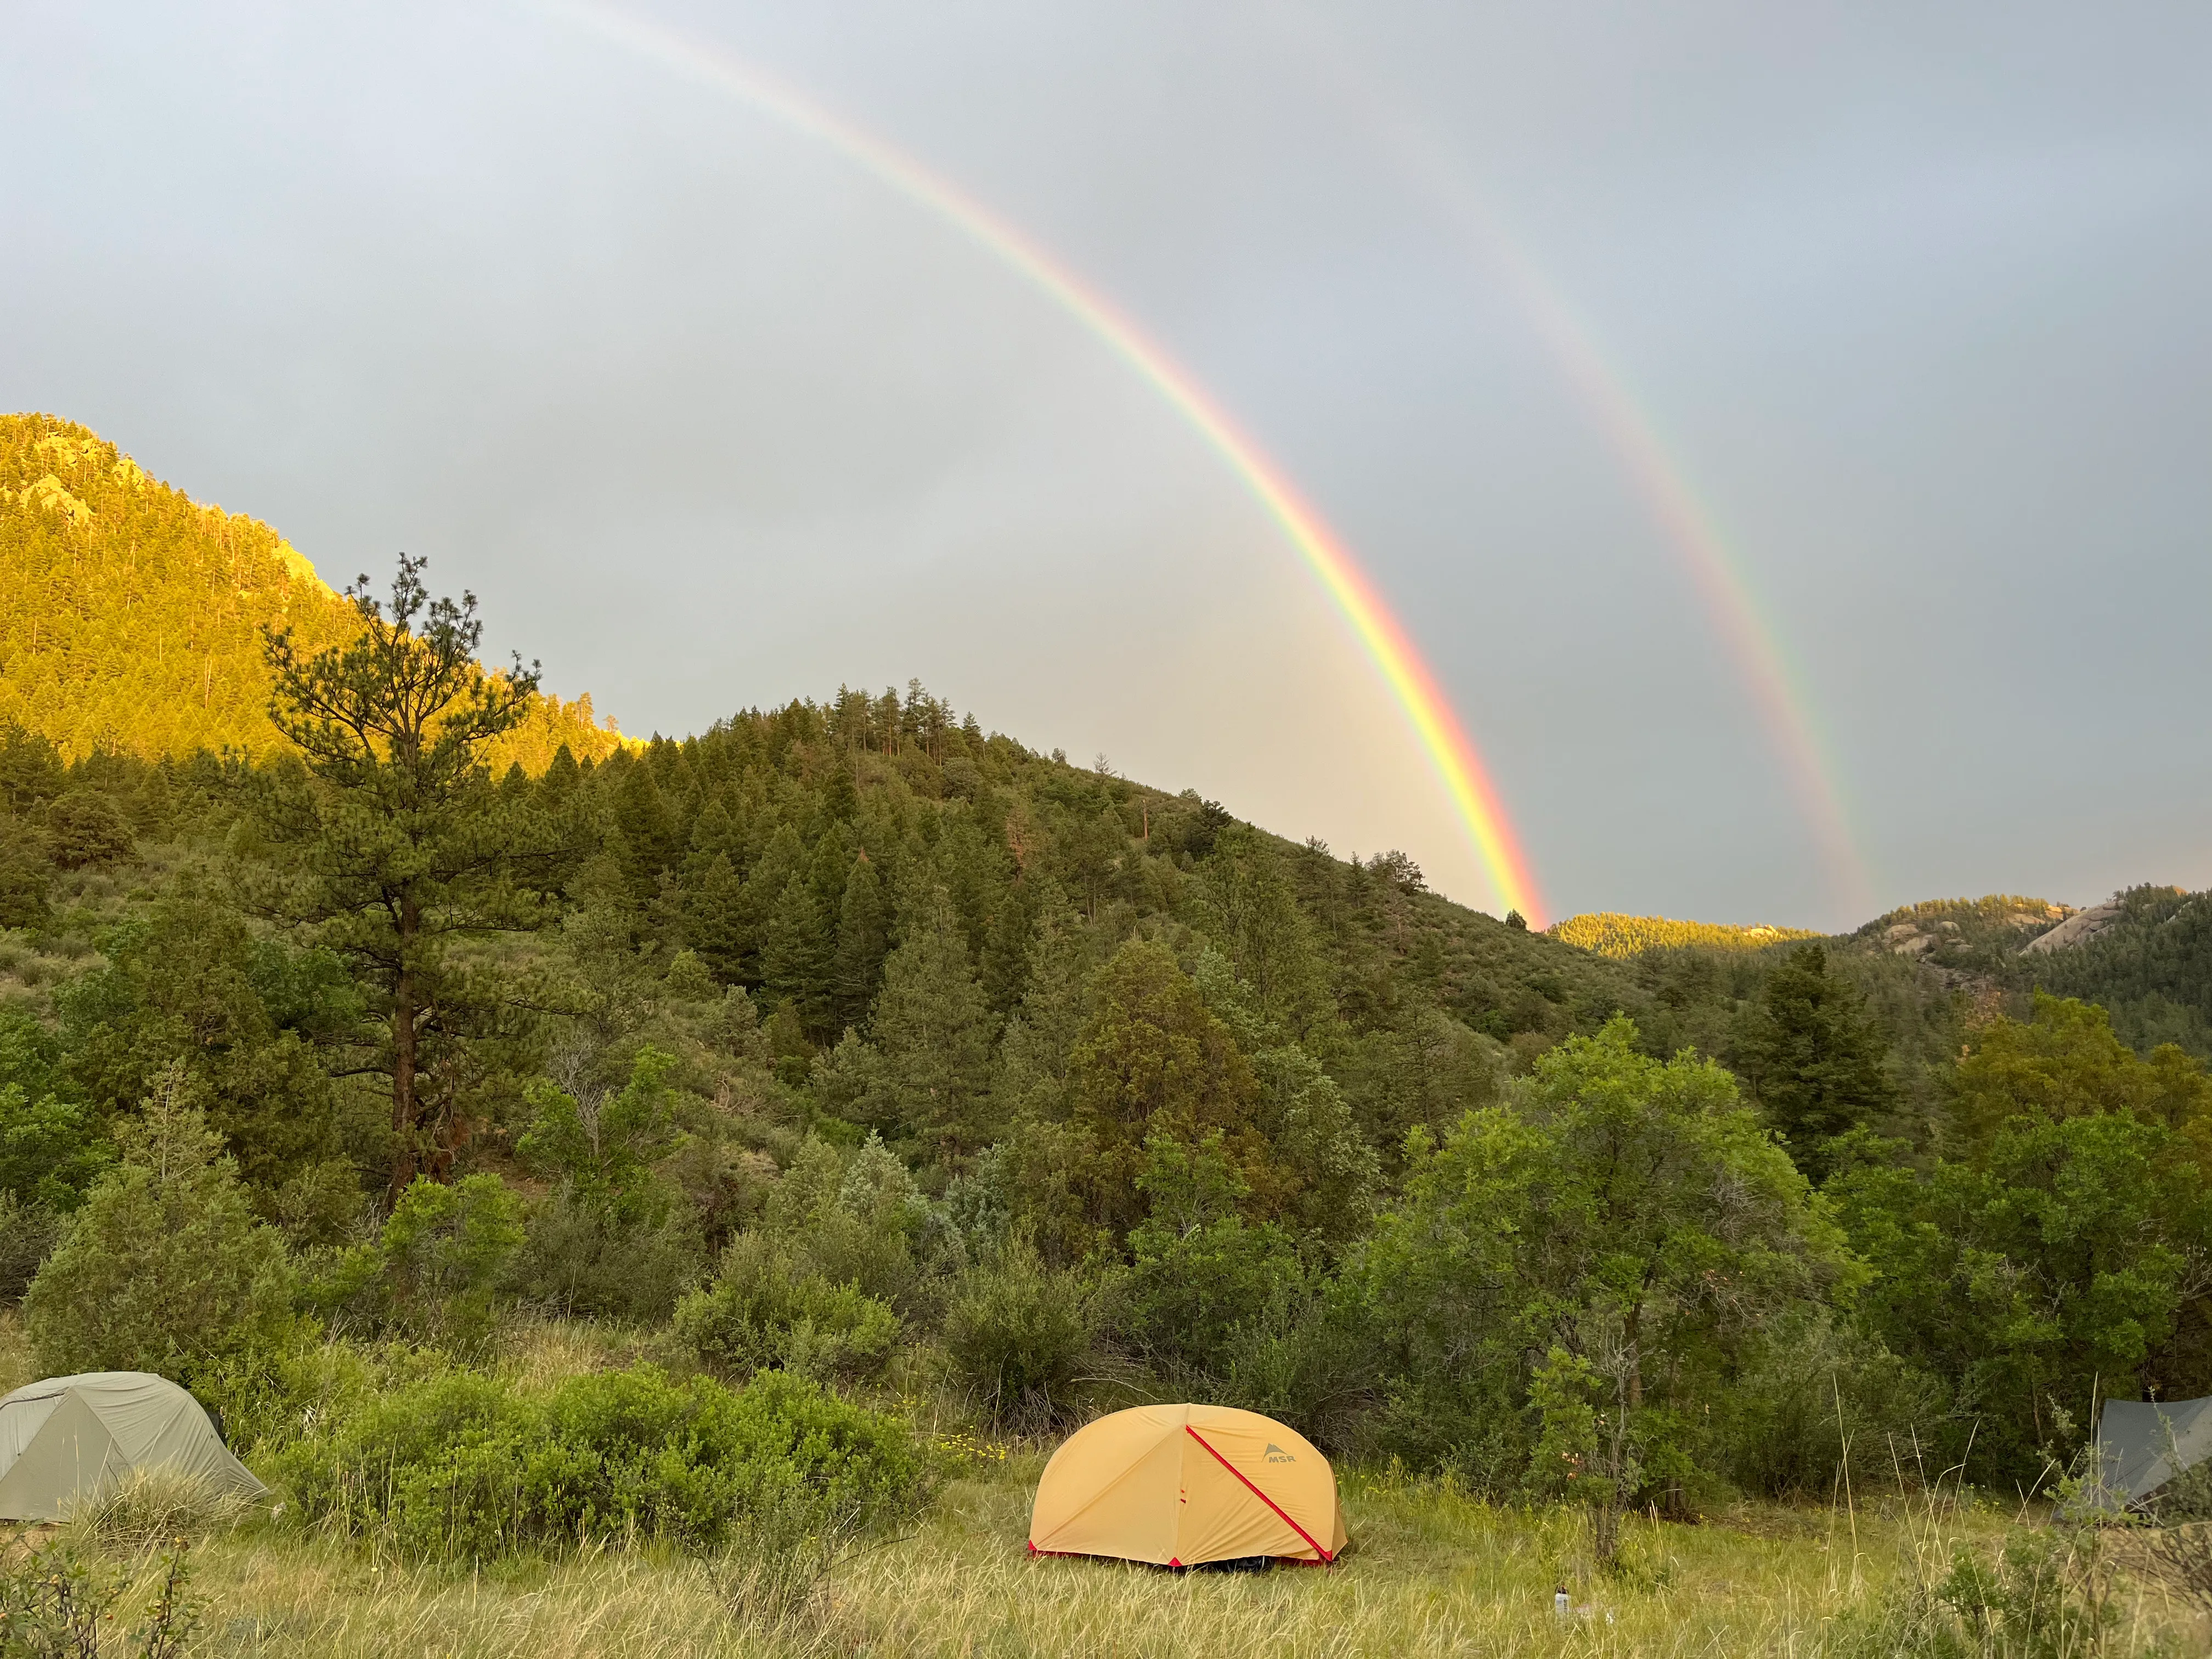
130 614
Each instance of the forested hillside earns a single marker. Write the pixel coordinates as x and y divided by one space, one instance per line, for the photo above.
130 615
847 1053
2149 962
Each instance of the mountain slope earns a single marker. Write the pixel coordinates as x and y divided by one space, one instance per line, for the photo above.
2147 958
130 615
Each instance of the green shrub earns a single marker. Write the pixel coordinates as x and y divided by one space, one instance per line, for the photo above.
51 1152
578 1256
85 828
55 1604
463 1468
271 1396
433 1273
2047 1595
164 1269
765 1313
1022 1336
28 1233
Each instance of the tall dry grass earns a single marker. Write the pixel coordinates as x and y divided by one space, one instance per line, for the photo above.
1435 1572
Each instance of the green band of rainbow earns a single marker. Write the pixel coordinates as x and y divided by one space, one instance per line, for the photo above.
1450 752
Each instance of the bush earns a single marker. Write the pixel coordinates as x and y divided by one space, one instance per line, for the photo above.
2047 1595
270 1397
435 1272
578 1257
462 1468
54 1604
84 828
164 1269
1022 1336
51 1152
764 1313
28 1233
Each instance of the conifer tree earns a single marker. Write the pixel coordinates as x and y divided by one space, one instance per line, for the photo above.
394 848
165 1267
714 918
1033 1060
933 1029
798 954
1152 1059
1814 1058
784 858
863 939
648 827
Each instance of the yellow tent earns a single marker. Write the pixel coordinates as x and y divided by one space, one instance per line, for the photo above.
1179 1485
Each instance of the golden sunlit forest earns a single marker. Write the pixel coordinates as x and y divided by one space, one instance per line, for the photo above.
130 615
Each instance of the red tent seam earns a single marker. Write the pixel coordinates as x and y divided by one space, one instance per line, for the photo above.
1257 1493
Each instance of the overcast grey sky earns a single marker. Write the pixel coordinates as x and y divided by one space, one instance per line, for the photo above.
1914 300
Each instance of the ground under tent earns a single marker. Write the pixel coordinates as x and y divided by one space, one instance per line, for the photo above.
70 1440
2143 1444
1184 1485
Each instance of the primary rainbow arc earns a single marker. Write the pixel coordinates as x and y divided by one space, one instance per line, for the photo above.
1449 751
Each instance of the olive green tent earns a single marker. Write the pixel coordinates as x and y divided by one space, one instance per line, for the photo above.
2141 1444
70 1439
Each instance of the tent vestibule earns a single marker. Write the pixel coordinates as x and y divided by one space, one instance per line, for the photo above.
1182 1485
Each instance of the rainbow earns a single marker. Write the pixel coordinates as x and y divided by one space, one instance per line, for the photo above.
1443 740
1775 689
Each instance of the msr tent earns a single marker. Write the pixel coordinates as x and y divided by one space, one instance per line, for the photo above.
2143 1444
72 1439
1180 1485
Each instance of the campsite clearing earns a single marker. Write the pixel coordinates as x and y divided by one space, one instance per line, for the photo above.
1434 1573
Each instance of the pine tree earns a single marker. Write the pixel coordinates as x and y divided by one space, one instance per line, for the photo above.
1153 1060
395 848
840 800
863 940
648 827
933 1029
1032 1080
713 919
1813 1058
797 957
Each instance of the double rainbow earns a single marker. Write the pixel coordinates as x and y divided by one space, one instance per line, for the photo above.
1443 740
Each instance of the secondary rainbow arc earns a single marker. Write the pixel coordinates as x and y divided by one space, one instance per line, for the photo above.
1443 740
1775 687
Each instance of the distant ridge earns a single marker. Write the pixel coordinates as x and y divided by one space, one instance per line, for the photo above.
1609 934
130 614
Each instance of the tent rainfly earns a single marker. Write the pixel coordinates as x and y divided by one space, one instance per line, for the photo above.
2143 1444
1180 1485
70 1439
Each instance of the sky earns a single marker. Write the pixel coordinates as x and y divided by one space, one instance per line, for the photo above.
1785 432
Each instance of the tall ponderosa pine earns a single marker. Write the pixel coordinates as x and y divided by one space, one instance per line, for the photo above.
396 846
1814 1058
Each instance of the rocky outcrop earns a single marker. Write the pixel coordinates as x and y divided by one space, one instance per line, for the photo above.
2078 928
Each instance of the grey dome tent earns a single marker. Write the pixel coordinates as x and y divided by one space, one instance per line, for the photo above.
2143 1444
70 1439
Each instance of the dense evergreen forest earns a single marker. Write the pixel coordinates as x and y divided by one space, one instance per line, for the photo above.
850 1041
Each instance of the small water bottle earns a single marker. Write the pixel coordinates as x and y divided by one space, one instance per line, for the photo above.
1559 1602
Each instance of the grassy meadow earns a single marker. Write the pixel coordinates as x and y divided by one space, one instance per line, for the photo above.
1433 1571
